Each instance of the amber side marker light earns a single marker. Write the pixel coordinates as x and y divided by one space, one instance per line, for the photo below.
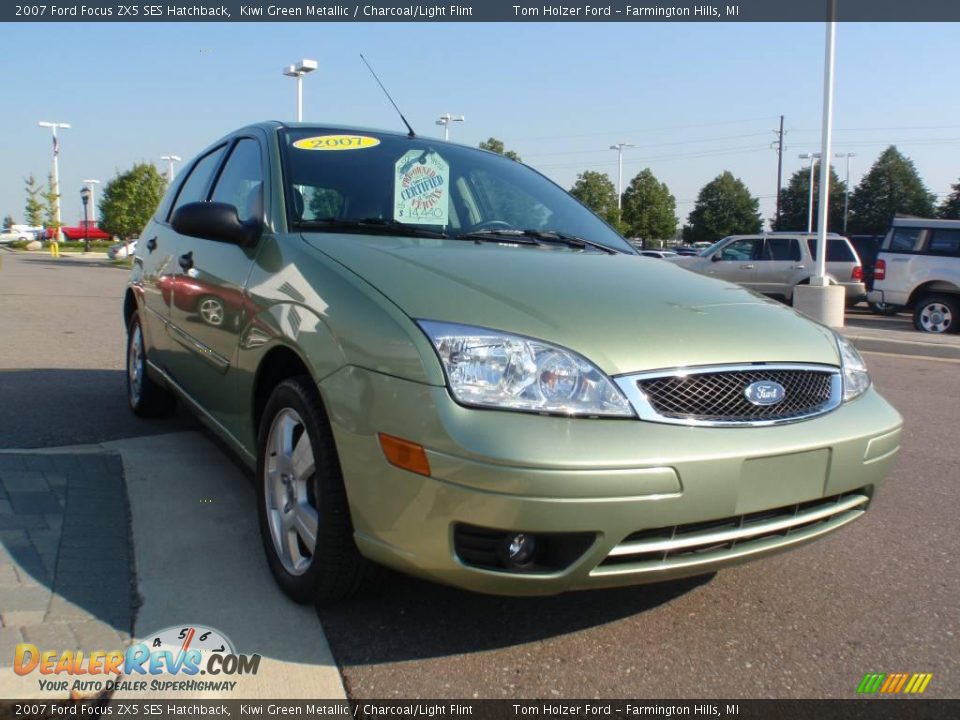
404 454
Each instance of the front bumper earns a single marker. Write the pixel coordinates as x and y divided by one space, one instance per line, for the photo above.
625 482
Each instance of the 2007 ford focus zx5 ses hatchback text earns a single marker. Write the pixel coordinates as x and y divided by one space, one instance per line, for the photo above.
437 360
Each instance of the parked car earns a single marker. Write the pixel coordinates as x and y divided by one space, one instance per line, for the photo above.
659 254
775 263
685 250
11 235
122 250
918 270
82 231
443 363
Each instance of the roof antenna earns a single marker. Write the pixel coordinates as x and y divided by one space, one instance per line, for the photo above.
411 134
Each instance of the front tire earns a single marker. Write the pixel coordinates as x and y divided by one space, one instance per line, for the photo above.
145 397
937 314
305 522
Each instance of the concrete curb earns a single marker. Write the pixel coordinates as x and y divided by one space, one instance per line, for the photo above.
887 342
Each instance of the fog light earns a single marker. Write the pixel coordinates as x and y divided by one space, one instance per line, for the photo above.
519 549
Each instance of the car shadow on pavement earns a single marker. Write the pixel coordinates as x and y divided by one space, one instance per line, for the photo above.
404 618
56 407
66 260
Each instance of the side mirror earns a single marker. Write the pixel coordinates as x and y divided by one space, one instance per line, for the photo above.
715 257
216 221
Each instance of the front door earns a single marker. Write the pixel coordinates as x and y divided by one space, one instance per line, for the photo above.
208 311
736 261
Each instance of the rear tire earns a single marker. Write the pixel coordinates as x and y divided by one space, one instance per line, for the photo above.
937 314
145 397
305 522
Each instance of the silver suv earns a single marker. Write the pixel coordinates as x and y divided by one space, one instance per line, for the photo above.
918 268
775 263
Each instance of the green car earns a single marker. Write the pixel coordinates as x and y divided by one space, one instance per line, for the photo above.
437 360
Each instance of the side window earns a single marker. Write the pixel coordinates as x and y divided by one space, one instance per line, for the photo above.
781 249
740 250
905 240
194 188
945 242
241 182
837 251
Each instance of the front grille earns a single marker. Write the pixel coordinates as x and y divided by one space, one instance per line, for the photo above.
719 396
692 543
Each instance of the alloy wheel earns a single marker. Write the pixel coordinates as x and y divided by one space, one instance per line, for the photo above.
288 485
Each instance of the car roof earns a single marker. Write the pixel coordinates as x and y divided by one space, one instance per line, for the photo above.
910 221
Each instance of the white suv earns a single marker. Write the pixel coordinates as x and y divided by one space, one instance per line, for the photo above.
775 263
918 268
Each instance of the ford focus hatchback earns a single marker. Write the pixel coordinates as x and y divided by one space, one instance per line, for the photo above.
435 359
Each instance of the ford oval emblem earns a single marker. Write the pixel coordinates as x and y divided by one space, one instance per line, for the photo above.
765 392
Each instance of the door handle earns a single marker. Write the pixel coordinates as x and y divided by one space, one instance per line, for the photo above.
152 244
186 260
747 267
798 267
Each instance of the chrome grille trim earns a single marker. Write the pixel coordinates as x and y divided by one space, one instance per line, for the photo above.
741 533
770 530
631 384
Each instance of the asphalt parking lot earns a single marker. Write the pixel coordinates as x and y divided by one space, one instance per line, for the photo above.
882 595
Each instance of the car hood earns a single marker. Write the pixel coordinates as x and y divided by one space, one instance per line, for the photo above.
625 313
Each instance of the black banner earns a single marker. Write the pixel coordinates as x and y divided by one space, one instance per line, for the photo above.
857 709
480 11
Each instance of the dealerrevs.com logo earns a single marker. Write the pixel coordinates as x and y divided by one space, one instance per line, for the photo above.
173 659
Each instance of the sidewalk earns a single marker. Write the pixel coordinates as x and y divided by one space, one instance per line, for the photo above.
66 577
105 544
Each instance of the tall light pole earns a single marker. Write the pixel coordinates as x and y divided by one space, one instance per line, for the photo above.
846 189
85 197
445 120
619 148
92 184
812 157
298 71
54 126
171 159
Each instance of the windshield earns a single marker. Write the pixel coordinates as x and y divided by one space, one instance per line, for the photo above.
383 182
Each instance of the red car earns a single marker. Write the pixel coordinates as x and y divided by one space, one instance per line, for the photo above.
88 230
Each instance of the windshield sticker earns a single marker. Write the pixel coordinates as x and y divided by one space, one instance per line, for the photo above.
421 188
337 142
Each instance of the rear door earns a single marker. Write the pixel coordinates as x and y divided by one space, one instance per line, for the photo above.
208 310
780 266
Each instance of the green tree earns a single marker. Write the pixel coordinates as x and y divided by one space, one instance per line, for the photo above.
724 207
50 196
33 209
494 145
649 210
8 222
891 186
950 207
130 199
795 202
596 191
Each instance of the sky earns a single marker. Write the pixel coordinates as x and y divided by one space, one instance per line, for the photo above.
695 98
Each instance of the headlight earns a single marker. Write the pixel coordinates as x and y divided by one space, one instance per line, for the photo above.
856 379
488 368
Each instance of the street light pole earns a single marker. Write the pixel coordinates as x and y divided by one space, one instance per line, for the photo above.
171 159
846 189
619 148
298 71
826 149
85 197
813 157
56 180
92 184
445 120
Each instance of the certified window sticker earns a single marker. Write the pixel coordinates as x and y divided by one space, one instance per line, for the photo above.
337 142
421 189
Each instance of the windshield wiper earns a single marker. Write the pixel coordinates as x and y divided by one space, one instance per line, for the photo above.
535 237
372 225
